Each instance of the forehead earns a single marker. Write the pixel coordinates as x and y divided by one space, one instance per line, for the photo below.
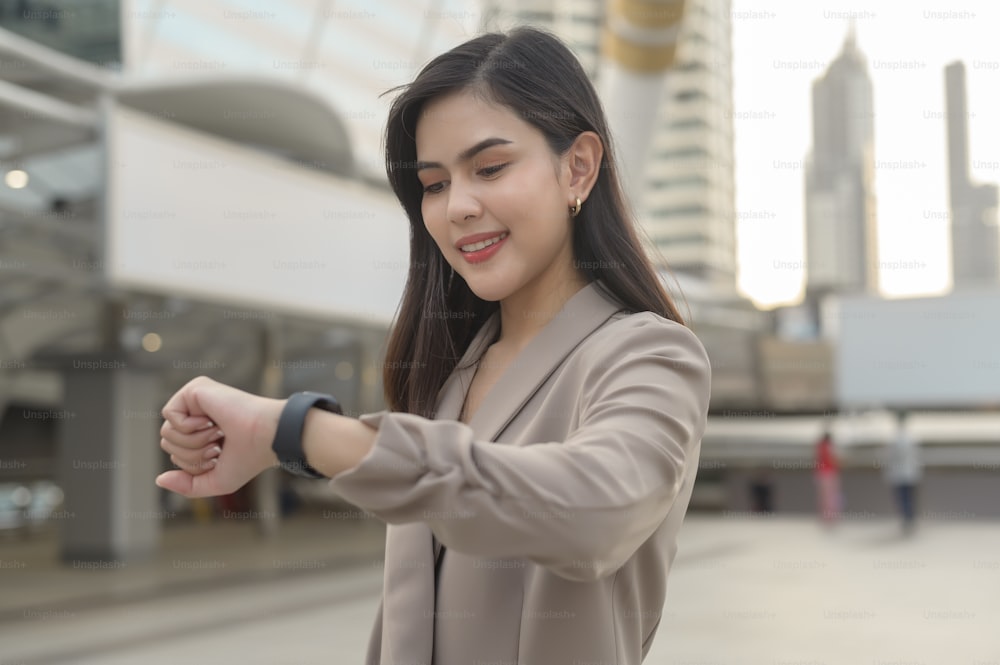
462 118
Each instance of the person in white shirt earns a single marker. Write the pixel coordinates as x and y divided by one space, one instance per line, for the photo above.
903 470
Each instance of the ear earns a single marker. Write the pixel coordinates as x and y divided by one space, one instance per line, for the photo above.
582 164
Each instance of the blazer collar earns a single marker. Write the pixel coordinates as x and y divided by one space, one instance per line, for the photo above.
581 315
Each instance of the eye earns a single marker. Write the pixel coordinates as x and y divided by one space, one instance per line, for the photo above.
492 170
434 188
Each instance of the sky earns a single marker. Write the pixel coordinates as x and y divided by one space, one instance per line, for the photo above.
779 48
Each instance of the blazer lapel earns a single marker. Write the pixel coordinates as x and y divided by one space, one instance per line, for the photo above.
582 314
452 393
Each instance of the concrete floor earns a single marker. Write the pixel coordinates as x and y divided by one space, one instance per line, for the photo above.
745 591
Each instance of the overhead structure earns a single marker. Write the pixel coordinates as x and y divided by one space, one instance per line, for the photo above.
271 113
151 231
638 47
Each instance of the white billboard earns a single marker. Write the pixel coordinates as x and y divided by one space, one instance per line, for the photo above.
193 215
940 352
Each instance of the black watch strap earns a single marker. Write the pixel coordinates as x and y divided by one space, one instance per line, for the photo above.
287 443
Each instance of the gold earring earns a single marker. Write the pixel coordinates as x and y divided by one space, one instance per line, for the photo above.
575 210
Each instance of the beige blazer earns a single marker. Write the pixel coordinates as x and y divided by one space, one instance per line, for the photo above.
558 504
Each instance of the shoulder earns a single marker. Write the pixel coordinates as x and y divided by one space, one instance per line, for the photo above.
645 337
645 331
642 359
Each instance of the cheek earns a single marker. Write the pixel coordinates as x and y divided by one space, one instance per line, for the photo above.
537 193
427 211
434 222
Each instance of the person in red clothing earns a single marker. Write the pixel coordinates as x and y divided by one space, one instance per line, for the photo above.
827 473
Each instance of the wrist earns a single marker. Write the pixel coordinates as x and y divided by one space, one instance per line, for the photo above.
309 439
267 426
290 440
334 443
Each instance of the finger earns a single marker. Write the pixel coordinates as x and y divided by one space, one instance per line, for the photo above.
177 481
200 423
195 467
183 411
191 456
187 423
197 440
185 484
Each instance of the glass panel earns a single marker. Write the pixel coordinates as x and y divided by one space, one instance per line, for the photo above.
86 29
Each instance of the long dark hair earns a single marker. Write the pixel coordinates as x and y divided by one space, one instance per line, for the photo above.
535 75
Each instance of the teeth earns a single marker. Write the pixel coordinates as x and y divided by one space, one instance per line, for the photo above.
476 246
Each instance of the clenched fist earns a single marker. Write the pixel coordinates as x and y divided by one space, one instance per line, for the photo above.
218 436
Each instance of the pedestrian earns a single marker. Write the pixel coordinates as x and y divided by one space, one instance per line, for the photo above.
761 492
903 470
827 472
546 401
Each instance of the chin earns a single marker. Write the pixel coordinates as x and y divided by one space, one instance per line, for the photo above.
490 289
489 294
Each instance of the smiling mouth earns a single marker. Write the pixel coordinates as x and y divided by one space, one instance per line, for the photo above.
482 244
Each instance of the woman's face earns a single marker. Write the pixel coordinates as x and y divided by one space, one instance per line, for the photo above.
487 174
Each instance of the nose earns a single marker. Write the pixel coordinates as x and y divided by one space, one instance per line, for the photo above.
463 204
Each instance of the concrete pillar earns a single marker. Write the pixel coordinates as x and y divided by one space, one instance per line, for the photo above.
370 363
638 47
108 458
267 486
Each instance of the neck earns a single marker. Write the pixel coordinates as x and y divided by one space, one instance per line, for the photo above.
525 313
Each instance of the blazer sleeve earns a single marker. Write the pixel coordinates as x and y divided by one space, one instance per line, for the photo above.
580 507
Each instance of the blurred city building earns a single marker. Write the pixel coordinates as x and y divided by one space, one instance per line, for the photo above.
578 23
841 232
196 209
347 52
935 353
688 196
975 234
841 248
201 190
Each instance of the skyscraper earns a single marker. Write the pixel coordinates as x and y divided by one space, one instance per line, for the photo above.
841 233
577 22
688 202
975 246
685 198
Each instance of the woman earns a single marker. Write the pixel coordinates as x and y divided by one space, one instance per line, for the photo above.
546 400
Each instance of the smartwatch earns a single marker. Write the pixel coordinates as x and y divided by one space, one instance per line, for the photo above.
287 443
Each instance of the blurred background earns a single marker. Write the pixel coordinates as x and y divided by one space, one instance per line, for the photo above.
198 188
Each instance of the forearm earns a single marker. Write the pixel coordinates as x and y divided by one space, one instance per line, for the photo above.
333 443
580 506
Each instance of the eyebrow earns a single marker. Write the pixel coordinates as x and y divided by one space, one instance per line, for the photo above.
468 153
